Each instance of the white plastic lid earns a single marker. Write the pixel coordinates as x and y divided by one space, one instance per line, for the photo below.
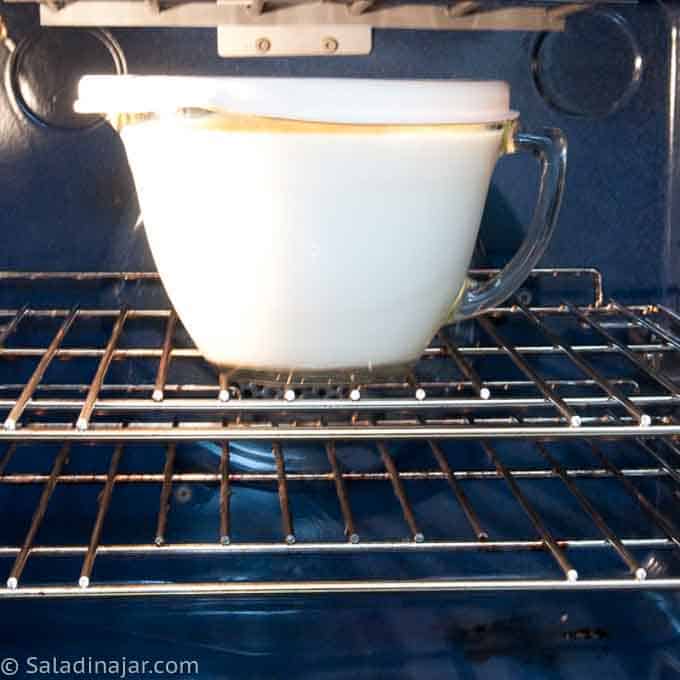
325 100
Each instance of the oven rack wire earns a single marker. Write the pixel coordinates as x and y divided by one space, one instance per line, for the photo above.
448 394
639 561
587 393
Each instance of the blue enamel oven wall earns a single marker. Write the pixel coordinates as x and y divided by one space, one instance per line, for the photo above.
67 203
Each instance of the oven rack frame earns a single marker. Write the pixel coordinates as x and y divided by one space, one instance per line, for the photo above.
480 539
410 413
408 406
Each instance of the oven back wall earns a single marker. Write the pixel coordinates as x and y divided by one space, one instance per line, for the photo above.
68 203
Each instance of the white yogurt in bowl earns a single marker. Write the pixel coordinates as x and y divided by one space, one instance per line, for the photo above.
318 224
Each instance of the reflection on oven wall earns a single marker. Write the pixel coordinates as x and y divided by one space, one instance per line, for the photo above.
68 201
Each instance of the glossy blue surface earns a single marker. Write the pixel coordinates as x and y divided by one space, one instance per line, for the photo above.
617 213
467 637
67 203
544 635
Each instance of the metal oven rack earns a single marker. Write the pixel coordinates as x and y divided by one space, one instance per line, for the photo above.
557 414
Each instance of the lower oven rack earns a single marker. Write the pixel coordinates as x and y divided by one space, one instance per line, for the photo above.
559 472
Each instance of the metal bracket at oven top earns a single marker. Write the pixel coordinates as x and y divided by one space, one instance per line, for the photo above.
274 28
285 41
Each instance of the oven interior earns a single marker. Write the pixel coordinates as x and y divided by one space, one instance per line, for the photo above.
509 507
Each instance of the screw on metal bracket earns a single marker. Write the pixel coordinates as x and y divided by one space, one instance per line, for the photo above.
330 44
263 45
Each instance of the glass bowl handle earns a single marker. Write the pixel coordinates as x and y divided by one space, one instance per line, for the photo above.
551 152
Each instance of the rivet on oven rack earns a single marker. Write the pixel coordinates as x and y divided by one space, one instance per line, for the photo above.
549 542
465 367
38 516
400 492
39 372
419 393
104 503
480 533
224 394
166 491
164 362
341 491
225 496
95 386
282 486
289 393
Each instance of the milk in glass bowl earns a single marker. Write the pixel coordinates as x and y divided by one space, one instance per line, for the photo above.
321 224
